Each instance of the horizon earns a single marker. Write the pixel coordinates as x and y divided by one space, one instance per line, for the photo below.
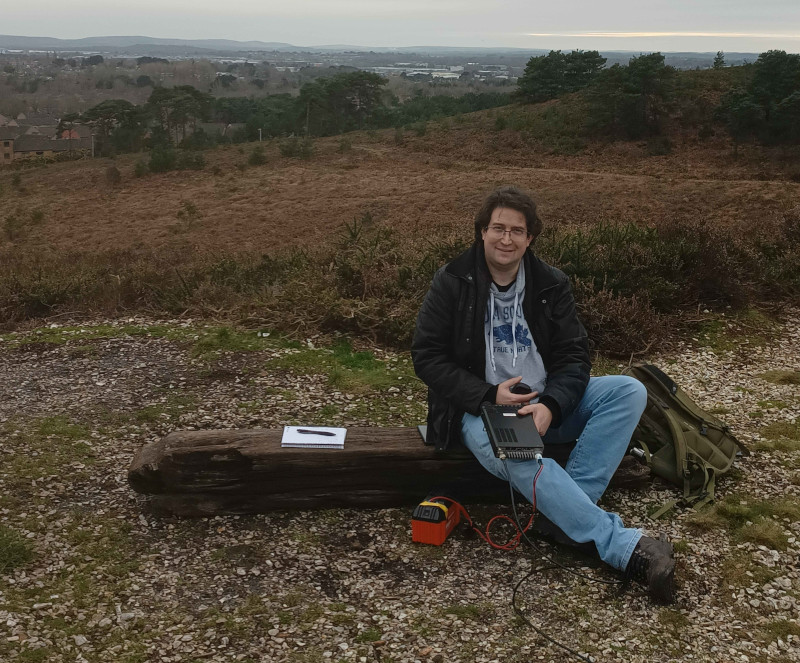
368 47
699 26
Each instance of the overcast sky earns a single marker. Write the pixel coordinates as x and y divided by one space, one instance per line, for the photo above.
666 25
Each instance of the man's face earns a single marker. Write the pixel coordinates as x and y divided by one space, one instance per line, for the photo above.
505 240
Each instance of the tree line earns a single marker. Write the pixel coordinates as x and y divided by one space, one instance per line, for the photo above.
324 107
640 100
767 108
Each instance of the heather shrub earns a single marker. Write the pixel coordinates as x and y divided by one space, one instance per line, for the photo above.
671 267
113 176
619 324
629 281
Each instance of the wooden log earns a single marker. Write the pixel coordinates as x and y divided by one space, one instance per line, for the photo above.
215 472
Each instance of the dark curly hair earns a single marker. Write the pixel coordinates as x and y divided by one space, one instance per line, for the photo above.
512 198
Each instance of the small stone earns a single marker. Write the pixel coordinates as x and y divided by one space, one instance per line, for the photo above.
79 640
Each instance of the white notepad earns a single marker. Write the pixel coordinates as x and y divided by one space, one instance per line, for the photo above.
313 437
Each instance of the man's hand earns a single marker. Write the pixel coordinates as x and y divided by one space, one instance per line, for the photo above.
505 397
542 416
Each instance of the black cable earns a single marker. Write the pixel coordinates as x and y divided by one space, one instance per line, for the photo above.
521 615
554 564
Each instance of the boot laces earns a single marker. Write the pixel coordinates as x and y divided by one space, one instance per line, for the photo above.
637 567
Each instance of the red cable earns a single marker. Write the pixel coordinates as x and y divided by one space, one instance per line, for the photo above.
513 542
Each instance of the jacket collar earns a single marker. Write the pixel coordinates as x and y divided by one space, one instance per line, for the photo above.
471 266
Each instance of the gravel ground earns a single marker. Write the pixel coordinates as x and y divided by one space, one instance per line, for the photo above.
106 580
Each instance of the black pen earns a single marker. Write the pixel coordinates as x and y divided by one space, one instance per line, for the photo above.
316 432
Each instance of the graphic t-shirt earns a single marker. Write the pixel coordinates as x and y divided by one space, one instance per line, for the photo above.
510 350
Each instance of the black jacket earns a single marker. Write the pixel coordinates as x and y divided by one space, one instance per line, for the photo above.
449 348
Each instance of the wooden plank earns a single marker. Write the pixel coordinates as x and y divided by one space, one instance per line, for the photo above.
198 473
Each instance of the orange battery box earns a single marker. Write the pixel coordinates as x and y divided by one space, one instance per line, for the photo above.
433 521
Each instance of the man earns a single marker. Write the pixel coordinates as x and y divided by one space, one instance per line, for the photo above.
496 316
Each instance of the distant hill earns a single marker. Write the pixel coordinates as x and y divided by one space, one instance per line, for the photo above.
132 42
138 42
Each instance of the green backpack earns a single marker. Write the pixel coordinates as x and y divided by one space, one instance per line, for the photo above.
680 442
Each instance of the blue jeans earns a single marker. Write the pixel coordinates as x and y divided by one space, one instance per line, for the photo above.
602 424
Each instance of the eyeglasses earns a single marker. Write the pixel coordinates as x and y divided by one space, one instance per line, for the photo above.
499 231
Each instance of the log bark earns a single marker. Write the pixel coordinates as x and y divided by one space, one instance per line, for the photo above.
215 472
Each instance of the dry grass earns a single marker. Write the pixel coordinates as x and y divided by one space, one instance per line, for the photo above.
254 243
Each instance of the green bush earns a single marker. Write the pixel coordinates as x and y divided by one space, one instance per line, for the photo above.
140 169
198 140
166 159
296 147
257 156
188 160
162 160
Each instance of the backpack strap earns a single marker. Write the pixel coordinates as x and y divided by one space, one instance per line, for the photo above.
679 442
664 508
662 377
